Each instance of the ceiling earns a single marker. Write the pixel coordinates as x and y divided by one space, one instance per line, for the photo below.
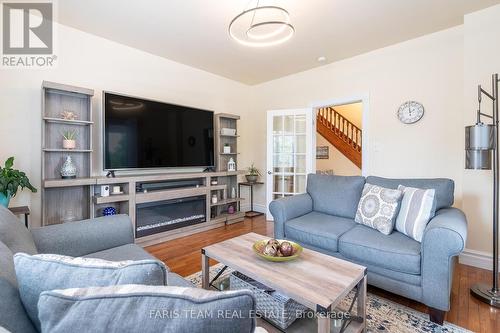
195 32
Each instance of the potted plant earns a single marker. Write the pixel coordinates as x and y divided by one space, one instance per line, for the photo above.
10 182
253 174
227 148
69 139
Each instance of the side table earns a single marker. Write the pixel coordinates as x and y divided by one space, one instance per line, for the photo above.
251 212
22 210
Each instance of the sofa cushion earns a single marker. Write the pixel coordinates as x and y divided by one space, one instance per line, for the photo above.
318 229
335 195
7 265
396 251
13 316
14 234
147 309
417 208
378 208
61 272
134 252
120 253
444 187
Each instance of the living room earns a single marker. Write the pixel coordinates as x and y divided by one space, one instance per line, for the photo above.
254 81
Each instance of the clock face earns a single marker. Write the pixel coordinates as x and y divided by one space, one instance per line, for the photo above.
410 112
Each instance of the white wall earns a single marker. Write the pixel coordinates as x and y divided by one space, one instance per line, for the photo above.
89 61
481 60
427 69
337 162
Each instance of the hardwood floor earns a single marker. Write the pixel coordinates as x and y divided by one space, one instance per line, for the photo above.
183 257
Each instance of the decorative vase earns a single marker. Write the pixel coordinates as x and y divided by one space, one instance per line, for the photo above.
4 200
230 209
108 211
69 144
251 178
68 169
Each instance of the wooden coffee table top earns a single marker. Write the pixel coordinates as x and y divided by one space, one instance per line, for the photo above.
314 279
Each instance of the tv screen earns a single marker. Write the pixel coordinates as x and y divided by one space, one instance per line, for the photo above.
140 134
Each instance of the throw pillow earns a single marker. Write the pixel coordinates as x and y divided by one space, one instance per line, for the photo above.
417 208
146 309
42 272
377 208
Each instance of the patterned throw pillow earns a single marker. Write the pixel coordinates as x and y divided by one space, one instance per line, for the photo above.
377 208
42 272
417 208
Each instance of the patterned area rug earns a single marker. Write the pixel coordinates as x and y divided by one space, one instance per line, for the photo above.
383 315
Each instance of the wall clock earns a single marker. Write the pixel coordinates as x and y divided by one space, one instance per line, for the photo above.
410 112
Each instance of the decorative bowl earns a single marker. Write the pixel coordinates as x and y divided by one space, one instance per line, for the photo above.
258 248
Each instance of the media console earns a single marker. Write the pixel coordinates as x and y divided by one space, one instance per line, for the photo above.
148 200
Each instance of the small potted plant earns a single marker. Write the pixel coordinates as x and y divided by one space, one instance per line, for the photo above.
10 182
227 148
253 174
69 139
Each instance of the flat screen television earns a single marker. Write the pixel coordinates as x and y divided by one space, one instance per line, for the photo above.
145 134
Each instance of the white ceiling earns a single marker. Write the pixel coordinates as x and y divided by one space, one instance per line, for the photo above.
194 32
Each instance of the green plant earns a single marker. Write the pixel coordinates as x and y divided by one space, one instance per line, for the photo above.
226 145
11 180
253 171
69 134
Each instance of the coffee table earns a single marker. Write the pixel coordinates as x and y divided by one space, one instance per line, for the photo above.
315 280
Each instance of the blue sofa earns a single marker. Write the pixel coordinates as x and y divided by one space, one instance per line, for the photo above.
323 219
109 238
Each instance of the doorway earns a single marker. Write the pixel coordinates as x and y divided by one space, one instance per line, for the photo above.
339 139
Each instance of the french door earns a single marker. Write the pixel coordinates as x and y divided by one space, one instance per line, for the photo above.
290 153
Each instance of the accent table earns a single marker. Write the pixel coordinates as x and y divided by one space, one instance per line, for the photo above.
251 212
22 210
316 280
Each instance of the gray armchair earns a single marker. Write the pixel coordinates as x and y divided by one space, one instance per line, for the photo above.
109 238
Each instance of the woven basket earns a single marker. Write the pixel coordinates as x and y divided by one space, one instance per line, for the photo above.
276 308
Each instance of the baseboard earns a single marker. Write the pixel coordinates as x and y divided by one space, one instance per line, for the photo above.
478 259
256 207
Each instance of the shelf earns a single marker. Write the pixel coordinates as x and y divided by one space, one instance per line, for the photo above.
227 217
225 202
218 187
57 150
111 198
54 183
229 153
66 121
230 135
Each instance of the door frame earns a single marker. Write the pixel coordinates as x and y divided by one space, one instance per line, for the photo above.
310 159
365 136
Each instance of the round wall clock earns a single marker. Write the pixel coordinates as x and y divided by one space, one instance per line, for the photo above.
410 112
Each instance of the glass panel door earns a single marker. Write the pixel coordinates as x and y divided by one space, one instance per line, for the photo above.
289 152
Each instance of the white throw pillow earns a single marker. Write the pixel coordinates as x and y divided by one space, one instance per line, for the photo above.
417 208
378 207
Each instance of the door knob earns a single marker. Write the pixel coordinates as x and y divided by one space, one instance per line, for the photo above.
269 173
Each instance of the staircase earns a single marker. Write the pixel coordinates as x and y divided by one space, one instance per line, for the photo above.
341 133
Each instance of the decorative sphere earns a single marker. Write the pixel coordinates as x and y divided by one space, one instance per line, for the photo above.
271 250
109 211
273 241
286 249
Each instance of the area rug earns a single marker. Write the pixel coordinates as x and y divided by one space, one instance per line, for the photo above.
382 315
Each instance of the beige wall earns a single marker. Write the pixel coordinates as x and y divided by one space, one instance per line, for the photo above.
427 69
481 60
352 112
93 62
337 162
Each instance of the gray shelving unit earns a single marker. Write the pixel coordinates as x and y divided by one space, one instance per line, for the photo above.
69 199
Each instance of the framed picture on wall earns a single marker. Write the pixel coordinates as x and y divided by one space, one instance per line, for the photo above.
322 152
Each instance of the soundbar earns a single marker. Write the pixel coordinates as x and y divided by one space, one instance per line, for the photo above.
168 185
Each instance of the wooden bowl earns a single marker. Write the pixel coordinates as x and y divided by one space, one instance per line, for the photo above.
258 248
